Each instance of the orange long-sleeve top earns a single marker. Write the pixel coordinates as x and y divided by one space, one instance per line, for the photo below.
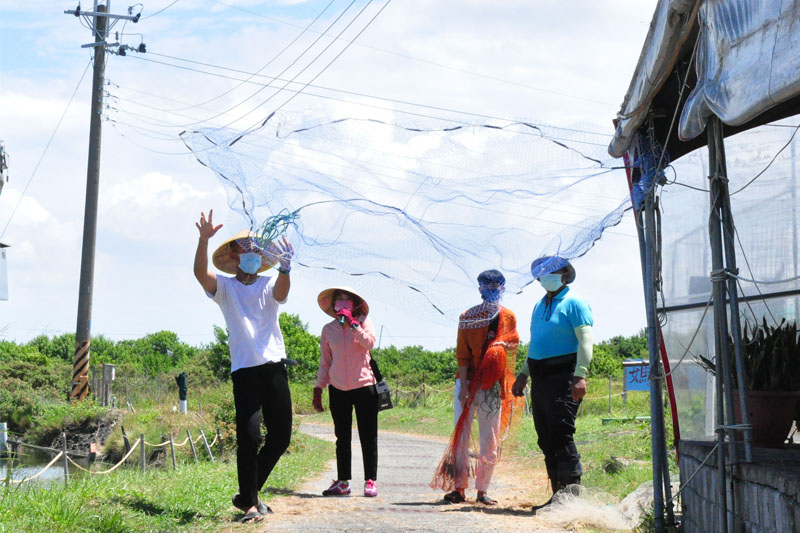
470 341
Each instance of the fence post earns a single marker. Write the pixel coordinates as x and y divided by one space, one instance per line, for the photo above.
219 440
609 394
172 451
163 440
127 400
191 443
125 439
142 458
3 439
64 458
205 443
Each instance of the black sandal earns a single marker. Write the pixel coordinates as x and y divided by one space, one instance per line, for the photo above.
454 497
262 507
485 500
252 517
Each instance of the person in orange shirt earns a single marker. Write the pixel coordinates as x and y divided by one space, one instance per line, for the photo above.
344 368
486 352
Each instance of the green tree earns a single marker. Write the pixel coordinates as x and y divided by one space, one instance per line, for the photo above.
301 346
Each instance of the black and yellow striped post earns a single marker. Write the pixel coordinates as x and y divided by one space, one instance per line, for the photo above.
80 371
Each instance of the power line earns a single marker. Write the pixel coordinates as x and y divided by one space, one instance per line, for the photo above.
313 60
161 10
353 93
268 63
337 56
434 63
46 147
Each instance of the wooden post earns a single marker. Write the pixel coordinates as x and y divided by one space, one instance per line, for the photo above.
64 458
219 440
205 443
127 400
142 458
609 394
125 440
158 392
191 443
172 451
163 440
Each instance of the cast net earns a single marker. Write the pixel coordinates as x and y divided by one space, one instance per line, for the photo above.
416 208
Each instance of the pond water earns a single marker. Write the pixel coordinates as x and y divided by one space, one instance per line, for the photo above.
30 462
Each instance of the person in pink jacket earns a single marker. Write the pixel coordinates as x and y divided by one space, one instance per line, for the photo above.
344 367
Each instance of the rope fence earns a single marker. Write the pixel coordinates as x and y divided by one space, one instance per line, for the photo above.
66 459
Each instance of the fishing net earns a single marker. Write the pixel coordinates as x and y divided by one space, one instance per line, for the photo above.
417 207
489 391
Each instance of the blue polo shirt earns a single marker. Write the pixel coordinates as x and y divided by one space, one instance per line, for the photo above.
552 326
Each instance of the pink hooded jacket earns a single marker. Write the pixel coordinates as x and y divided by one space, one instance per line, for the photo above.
344 360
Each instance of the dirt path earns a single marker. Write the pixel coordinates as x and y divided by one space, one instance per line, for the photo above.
405 501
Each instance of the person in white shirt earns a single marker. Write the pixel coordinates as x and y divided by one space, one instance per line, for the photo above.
249 304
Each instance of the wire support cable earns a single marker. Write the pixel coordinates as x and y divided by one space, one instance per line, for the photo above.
682 487
46 147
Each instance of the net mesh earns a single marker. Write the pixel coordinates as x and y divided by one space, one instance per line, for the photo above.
762 179
416 209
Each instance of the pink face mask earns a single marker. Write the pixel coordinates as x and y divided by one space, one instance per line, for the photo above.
343 304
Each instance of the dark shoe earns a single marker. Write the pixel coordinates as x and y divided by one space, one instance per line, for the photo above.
262 507
545 504
485 500
252 518
454 497
337 488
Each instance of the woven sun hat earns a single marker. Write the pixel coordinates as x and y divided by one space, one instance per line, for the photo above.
222 258
325 300
551 263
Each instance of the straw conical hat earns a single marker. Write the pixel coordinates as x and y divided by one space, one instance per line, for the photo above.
325 300
223 261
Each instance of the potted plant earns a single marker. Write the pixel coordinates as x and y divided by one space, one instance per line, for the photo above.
772 367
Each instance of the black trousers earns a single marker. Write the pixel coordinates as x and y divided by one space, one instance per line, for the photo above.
366 405
554 414
260 392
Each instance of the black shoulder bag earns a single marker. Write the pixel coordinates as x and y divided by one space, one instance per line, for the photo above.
382 391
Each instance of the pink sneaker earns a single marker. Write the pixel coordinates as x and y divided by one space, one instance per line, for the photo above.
337 488
370 489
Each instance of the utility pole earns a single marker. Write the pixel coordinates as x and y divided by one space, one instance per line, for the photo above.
100 26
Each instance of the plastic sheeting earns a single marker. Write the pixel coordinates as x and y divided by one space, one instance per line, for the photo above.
748 61
671 23
765 213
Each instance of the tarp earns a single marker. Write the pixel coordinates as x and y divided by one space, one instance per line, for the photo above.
748 61
671 24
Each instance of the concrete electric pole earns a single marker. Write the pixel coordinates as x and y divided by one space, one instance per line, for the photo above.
100 25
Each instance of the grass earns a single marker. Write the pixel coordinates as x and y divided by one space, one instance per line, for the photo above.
196 497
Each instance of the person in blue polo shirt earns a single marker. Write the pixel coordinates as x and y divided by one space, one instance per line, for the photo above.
558 360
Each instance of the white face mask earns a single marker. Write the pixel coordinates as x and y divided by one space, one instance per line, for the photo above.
551 282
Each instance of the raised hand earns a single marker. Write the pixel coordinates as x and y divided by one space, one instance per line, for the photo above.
206 227
283 252
348 315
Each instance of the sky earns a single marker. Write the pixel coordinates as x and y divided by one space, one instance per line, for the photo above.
565 64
